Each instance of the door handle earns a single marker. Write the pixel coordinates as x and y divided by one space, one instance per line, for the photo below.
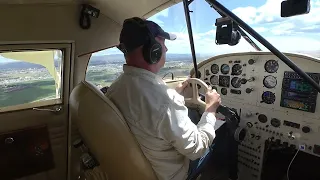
54 110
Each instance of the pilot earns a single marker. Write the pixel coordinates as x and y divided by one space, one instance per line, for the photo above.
156 114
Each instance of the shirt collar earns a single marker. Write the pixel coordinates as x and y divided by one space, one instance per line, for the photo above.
142 73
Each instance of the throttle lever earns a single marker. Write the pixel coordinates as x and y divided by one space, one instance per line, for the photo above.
226 111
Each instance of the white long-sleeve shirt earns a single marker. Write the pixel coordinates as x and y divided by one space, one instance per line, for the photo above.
159 120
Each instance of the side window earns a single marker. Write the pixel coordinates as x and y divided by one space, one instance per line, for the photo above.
30 78
104 67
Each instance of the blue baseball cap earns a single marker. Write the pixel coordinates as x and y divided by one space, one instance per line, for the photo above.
134 33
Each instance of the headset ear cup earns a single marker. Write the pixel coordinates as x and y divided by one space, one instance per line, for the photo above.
152 51
146 52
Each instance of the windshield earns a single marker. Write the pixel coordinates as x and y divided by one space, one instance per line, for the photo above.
299 34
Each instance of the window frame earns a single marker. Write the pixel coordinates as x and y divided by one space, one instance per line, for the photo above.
85 74
66 49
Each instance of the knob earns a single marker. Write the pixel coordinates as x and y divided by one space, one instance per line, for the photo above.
243 81
293 146
249 90
252 135
306 129
9 140
251 61
258 137
249 124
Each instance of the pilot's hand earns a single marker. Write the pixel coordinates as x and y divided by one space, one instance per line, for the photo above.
180 87
213 100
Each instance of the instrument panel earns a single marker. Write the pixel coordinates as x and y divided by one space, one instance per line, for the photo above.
262 80
275 104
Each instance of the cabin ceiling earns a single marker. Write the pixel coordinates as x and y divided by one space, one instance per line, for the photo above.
117 10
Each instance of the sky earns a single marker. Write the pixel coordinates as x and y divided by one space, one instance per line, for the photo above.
293 34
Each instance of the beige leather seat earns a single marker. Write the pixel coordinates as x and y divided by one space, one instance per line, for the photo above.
107 135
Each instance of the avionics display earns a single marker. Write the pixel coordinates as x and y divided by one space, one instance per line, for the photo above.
301 86
297 93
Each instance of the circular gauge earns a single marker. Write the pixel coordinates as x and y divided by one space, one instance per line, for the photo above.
236 82
262 118
236 69
225 68
214 68
268 97
214 80
271 66
270 81
224 91
275 122
224 81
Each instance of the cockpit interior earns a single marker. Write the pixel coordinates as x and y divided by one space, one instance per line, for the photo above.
58 58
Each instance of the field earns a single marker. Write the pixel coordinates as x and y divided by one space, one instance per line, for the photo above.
22 82
26 92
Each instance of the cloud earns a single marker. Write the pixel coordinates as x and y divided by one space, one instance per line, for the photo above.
269 15
157 18
283 28
205 42
260 29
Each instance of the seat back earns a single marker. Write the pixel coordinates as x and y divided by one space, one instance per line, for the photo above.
107 135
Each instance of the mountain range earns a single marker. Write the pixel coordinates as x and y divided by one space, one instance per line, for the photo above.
117 59
95 60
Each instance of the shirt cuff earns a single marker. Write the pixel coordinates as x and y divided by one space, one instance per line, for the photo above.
208 117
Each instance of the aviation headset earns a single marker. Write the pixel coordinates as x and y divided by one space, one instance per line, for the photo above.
152 49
